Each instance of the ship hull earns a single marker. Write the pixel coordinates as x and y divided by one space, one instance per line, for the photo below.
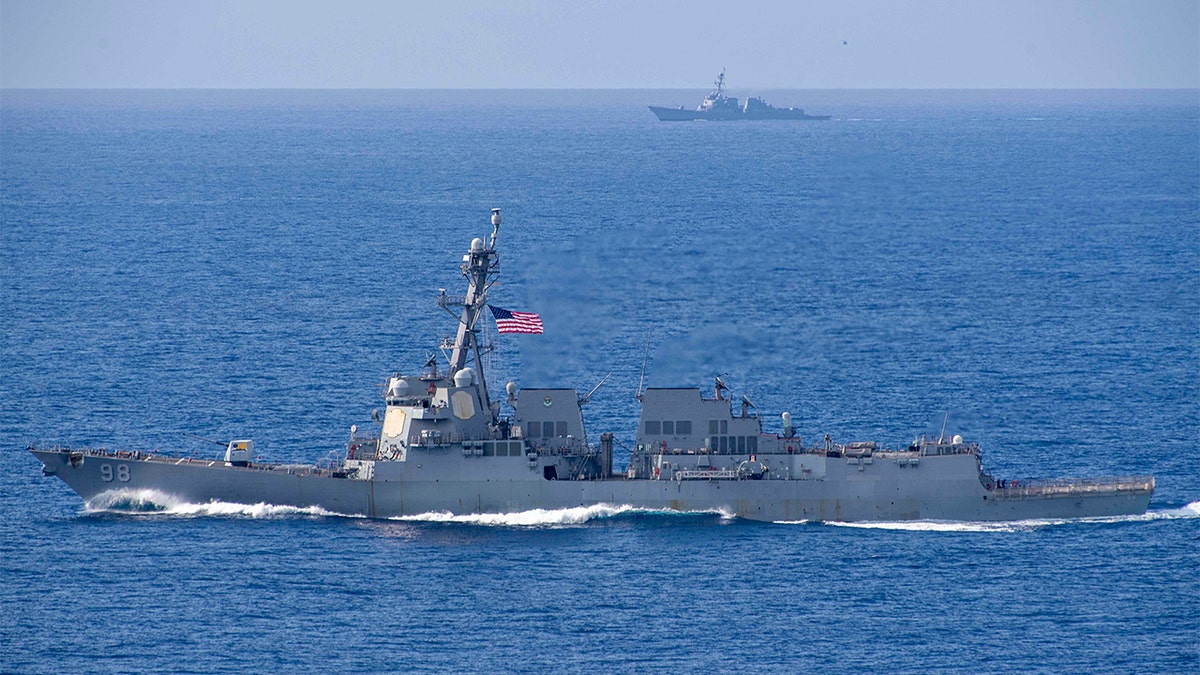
665 114
940 488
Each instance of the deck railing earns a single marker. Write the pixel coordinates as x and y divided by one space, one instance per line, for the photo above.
1040 489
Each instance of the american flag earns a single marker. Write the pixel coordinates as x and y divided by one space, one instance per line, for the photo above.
508 321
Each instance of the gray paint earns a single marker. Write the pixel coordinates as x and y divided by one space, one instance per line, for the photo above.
718 107
443 448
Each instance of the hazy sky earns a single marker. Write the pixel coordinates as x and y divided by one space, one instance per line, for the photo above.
619 43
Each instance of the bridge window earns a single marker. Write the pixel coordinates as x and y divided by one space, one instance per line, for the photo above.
741 440
714 428
561 428
653 428
724 426
752 444
683 428
548 429
668 428
724 444
534 430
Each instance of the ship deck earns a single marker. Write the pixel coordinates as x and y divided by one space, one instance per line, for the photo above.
314 470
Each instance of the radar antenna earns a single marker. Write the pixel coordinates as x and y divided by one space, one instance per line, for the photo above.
720 386
495 227
747 404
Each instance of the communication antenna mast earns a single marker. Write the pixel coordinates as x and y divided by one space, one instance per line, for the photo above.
645 357
588 396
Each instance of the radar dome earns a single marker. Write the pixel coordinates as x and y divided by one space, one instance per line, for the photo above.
464 377
511 388
476 245
398 388
787 417
957 439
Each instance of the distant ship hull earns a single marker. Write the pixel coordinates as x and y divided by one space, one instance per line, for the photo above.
718 107
434 481
681 114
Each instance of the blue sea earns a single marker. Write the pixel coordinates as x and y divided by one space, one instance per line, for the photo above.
1022 267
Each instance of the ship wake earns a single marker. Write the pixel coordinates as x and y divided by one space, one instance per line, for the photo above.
557 517
147 501
1191 510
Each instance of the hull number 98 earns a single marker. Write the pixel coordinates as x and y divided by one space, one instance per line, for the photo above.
107 474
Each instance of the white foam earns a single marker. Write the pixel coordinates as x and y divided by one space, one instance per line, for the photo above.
945 526
259 510
550 517
156 502
127 500
1191 510
160 503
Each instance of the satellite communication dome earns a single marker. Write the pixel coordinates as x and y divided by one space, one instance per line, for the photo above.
957 439
398 388
464 378
511 388
476 245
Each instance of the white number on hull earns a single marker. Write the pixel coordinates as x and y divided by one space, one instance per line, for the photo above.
122 473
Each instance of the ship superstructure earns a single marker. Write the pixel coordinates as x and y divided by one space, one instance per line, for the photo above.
717 106
442 446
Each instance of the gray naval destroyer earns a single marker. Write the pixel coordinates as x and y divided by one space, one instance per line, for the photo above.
719 107
441 446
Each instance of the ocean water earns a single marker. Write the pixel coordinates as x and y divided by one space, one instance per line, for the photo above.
1021 266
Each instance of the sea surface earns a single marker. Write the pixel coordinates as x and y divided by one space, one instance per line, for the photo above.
1022 267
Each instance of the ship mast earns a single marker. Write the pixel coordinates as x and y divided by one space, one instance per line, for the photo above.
478 264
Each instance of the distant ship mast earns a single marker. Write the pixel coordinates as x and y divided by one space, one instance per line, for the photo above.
720 82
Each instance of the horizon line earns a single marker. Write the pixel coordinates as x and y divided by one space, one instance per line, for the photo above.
752 87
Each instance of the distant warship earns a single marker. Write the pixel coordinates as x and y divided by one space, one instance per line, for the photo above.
718 106
442 446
